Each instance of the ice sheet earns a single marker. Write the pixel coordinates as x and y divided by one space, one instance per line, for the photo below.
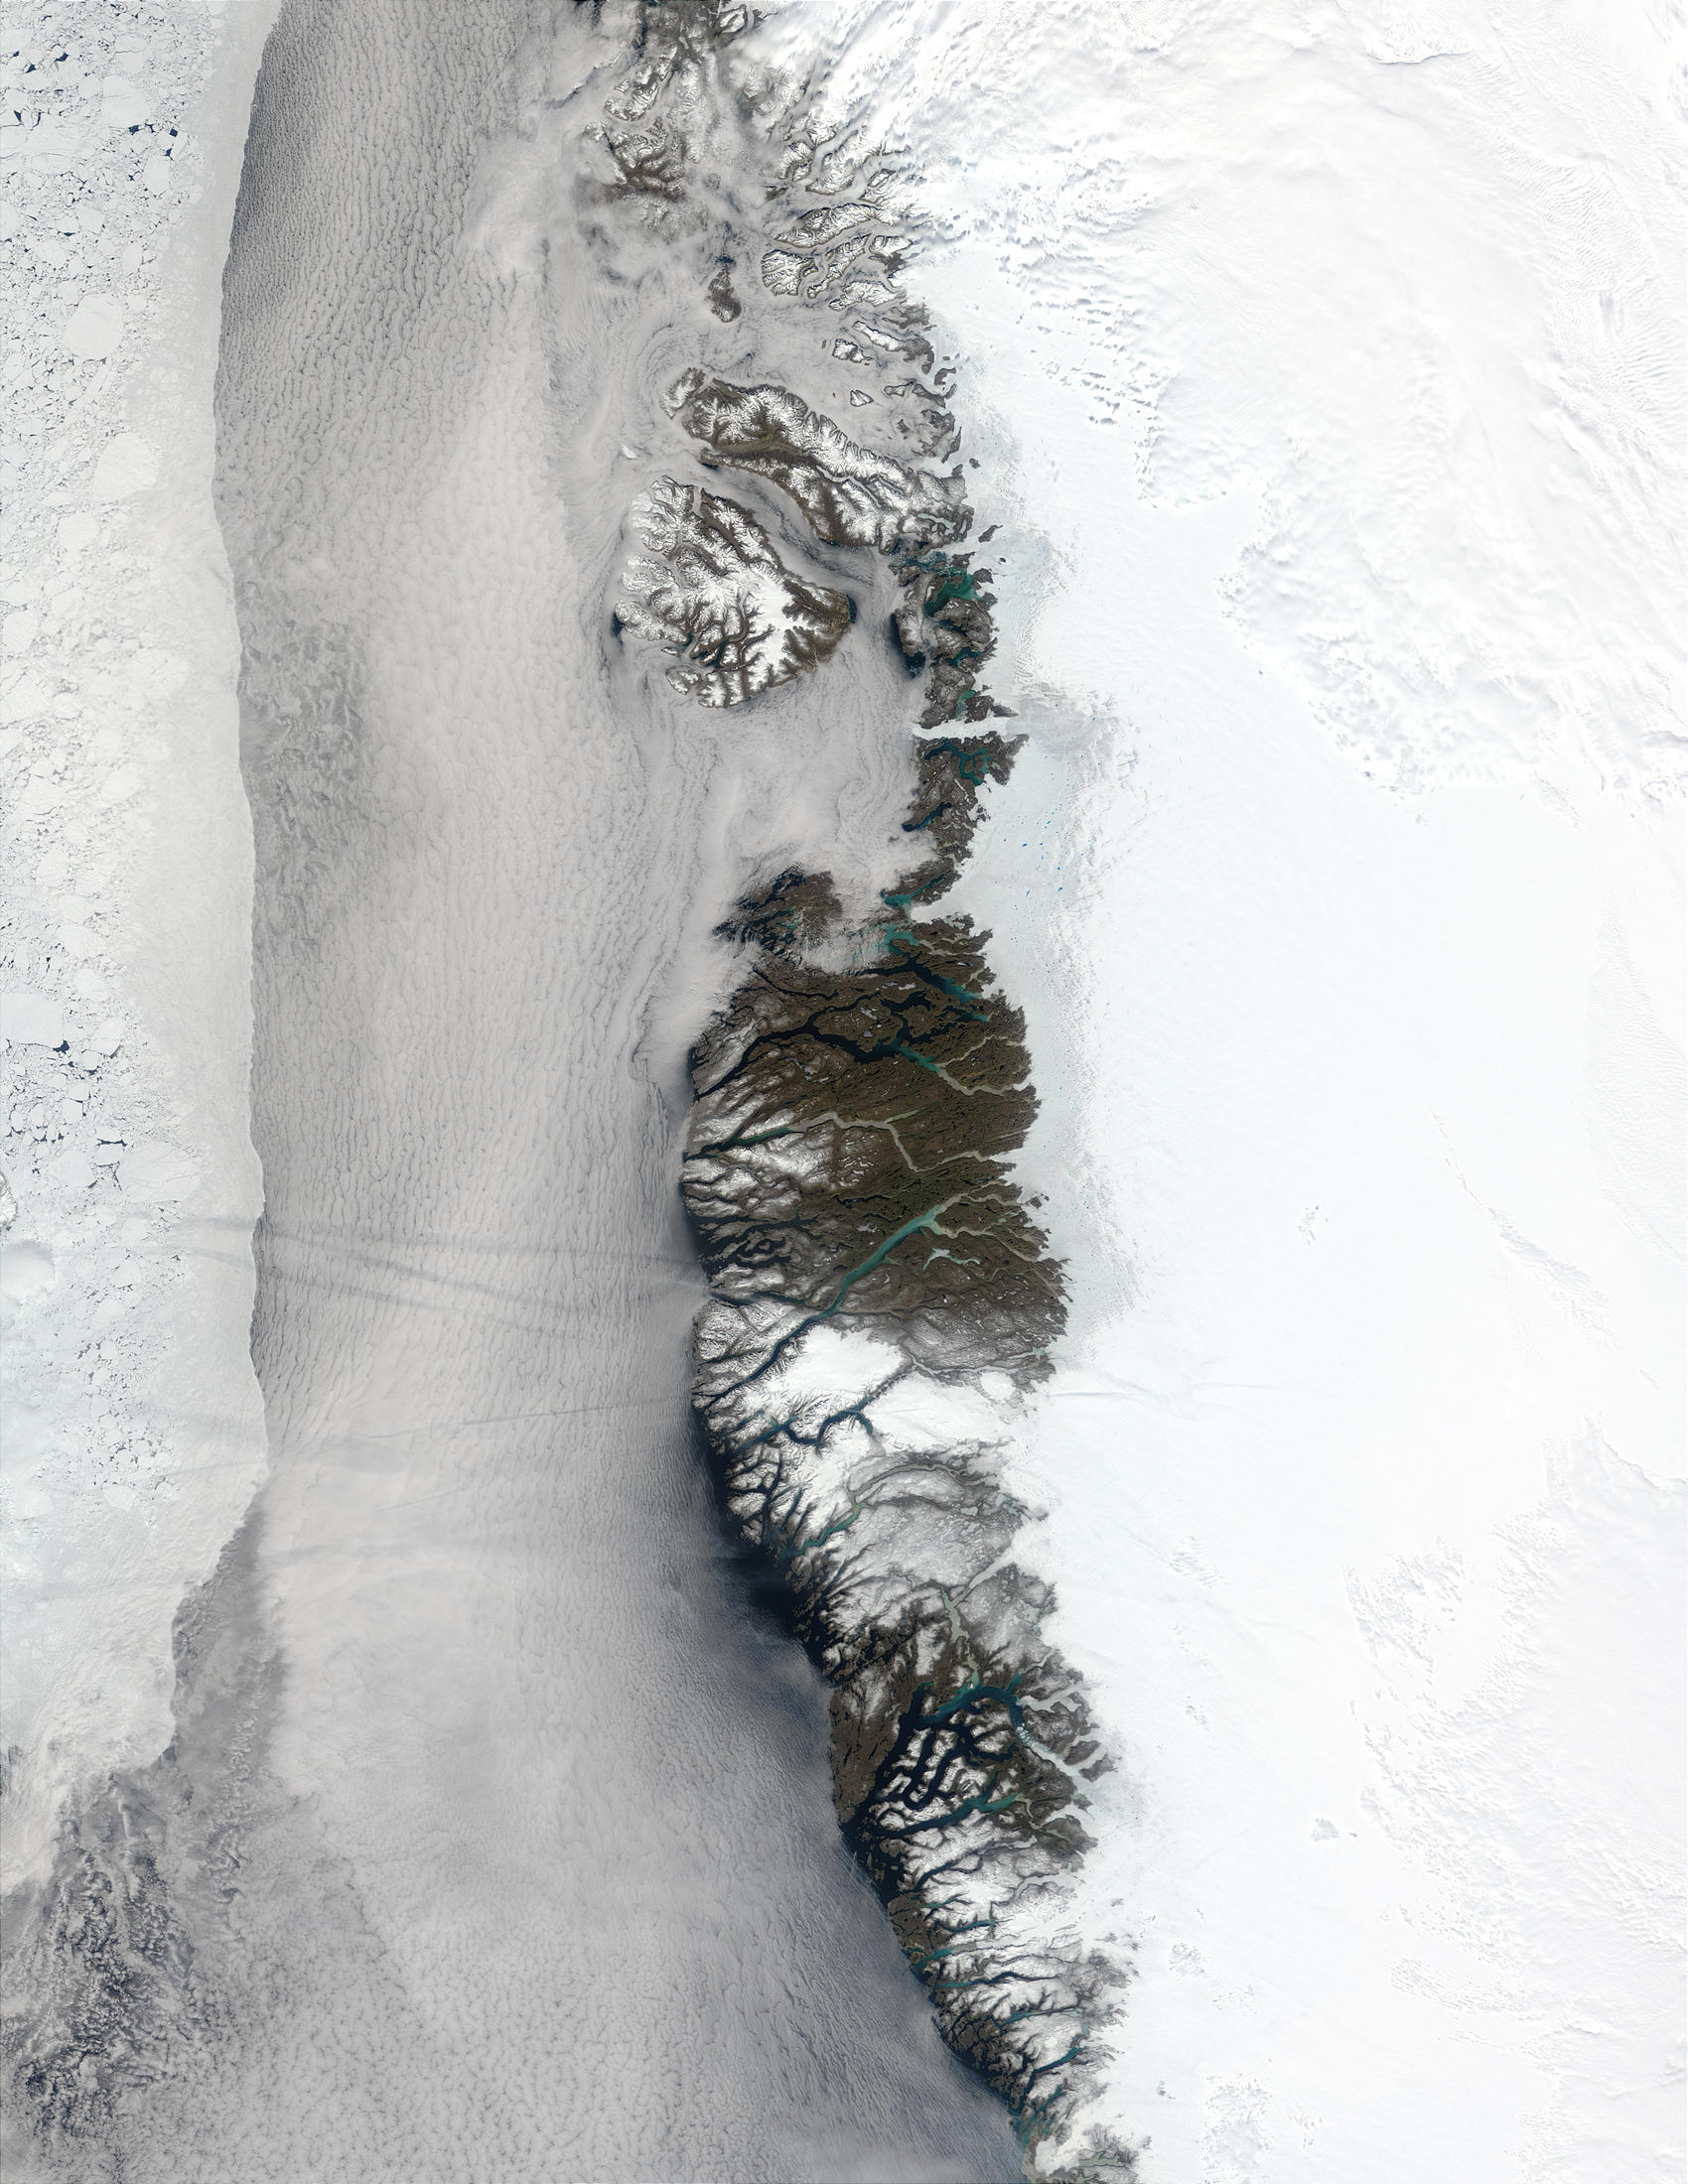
1333 353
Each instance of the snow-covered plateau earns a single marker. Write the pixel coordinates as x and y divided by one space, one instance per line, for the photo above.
1147 1235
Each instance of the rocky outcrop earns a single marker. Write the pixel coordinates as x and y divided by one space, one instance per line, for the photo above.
881 1297
943 628
710 585
849 496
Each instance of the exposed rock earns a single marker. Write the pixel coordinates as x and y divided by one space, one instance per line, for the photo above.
846 1173
851 498
722 301
710 585
845 1155
945 625
953 774
882 1299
